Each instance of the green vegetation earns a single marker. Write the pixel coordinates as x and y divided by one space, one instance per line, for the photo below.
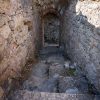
71 72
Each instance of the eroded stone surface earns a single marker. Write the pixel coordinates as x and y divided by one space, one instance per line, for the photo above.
21 35
1 94
26 95
41 80
81 27
16 37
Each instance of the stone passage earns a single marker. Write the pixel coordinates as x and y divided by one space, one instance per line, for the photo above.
54 78
51 30
26 25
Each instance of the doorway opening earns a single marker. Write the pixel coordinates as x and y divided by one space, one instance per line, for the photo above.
51 30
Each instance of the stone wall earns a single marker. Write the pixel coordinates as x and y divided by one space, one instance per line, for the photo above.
16 36
81 31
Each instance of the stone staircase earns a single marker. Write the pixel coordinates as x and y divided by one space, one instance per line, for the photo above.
54 78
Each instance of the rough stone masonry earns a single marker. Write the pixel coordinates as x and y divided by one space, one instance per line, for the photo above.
21 34
82 37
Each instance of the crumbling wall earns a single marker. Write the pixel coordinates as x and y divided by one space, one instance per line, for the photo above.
16 37
81 30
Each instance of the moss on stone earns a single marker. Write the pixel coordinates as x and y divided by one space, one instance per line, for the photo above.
71 72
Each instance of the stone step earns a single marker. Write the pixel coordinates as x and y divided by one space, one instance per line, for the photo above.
28 95
49 49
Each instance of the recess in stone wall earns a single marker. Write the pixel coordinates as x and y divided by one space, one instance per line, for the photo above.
51 30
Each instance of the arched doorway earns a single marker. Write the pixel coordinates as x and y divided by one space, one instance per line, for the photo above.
51 30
